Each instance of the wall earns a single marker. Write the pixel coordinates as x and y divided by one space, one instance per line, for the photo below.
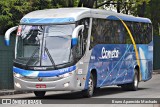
156 54
6 63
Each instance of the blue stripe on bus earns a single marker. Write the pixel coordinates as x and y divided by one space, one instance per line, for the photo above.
46 20
50 73
126 18
74 41
7 42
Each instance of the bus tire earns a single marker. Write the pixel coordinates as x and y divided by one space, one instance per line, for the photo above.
39 94
90 90
134 85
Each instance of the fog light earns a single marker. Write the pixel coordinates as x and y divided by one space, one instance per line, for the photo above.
66 84
17 85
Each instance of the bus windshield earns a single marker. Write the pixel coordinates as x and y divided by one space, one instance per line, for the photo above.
44 45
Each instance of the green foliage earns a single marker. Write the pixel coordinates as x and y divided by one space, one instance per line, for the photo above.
40 4
11 12
153 12
64 3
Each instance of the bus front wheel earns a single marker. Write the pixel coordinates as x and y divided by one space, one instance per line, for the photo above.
90 90
39 94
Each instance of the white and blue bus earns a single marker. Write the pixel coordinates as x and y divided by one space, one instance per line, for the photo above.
81 49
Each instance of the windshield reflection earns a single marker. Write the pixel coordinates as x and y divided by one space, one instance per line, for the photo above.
44 45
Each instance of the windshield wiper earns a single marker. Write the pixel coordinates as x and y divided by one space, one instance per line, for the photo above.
50 57
32 55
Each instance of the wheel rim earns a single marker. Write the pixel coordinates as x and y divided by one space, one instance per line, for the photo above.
90 86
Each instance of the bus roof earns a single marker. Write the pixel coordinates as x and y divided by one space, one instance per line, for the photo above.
69 15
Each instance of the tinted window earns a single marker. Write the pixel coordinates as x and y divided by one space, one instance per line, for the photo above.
107 32
142 32
83 36
113 32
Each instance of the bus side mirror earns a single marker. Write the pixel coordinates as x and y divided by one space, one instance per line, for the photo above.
75 34
7 35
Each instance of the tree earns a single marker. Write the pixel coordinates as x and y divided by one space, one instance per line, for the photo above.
40 4
11 12
64 3
153 12
86 3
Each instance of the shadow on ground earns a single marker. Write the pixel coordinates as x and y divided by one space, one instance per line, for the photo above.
78 95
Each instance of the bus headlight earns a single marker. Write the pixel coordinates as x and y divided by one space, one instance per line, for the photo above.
66 75
17 75
17 85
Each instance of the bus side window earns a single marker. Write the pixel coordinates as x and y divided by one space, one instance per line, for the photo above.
120 33
149 32
78 49
93 34
84 34
128 38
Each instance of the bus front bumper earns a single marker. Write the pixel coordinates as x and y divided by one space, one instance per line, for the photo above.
44 84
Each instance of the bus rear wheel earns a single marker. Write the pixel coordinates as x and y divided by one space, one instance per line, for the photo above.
134 85
39 94
90 90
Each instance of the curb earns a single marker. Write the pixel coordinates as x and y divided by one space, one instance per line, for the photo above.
12 92
156 72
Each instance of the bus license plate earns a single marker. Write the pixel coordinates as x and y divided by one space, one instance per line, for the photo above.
40 85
